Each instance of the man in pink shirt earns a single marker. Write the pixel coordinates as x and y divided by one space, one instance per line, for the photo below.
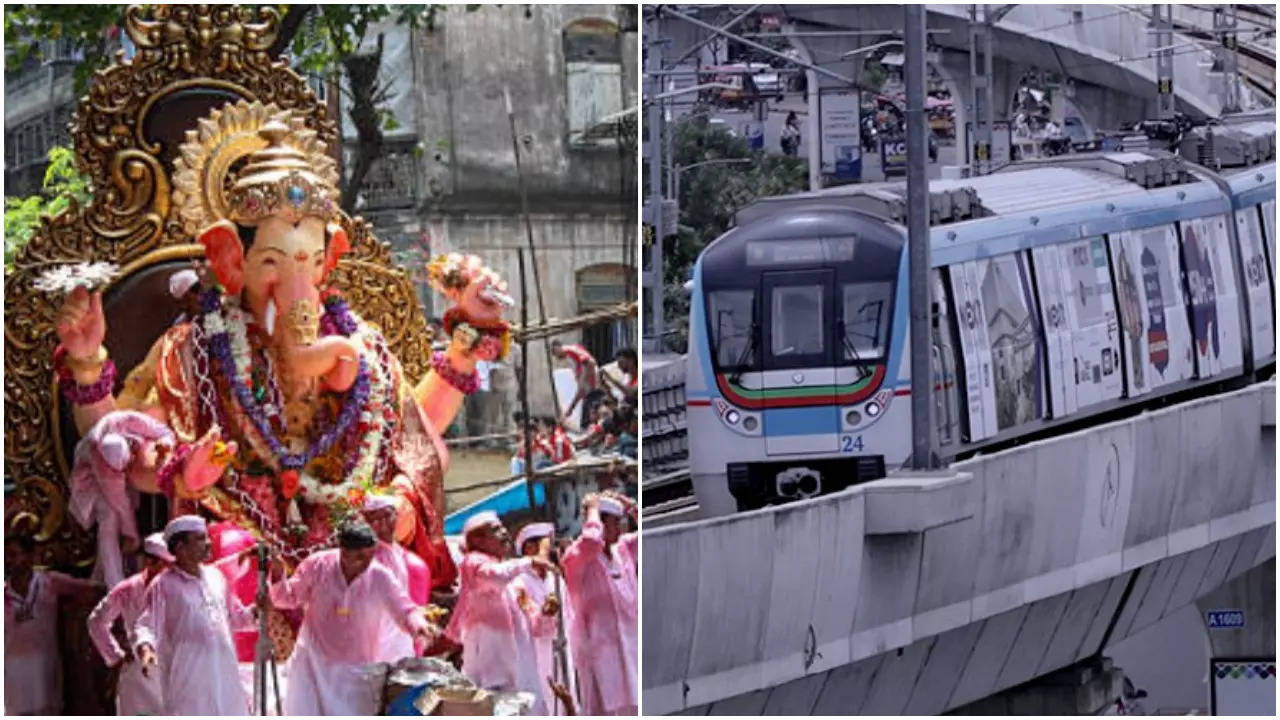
601 576
136 694
344 595
497 647
537 595
184 631
380 513
31 661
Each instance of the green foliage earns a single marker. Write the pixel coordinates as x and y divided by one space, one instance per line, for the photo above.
711 194
874 75
86 28
62 184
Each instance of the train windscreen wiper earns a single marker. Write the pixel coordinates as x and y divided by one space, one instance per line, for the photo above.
740 365
862 372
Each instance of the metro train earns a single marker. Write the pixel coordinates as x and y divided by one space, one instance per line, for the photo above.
1063 291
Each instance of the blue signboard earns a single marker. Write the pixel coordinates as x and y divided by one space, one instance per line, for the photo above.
1224 619
893 155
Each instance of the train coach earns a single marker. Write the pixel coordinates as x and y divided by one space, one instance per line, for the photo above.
1064 292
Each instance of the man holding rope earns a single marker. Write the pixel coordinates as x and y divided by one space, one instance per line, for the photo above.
539 596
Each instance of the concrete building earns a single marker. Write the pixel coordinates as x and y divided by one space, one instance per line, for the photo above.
570 72
39 98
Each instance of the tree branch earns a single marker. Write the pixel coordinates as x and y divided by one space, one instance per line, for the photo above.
362 77
289 26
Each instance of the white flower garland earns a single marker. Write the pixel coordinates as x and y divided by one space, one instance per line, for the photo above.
315 490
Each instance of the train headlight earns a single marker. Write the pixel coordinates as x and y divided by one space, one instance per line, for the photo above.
852 417
872 409
732 417
749 423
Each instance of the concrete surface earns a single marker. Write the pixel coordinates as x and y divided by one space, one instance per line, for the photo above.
1065 538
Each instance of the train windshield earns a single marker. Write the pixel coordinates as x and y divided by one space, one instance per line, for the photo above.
796 312
733 319
865 312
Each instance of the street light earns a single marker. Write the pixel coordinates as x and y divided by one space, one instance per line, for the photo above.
869 48
681 169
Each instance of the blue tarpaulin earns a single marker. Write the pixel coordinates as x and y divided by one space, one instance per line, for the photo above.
509 499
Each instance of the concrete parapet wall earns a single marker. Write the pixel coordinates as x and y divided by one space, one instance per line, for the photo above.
1012 564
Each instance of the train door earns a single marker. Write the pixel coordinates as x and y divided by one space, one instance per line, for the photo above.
797 385
946 395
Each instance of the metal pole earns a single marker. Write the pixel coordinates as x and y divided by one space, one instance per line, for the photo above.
918 243
1162 21
980 77
561 644
533 256
264 639
524 385
814 121
655 195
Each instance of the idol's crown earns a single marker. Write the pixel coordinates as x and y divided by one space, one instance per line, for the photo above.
277 180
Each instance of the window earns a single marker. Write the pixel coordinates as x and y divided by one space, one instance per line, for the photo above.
797 320
599 287
866 319
593 69
731 316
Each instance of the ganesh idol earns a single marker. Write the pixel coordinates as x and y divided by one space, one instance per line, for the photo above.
280 408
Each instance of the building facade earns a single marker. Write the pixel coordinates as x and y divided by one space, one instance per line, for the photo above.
39 99
570 74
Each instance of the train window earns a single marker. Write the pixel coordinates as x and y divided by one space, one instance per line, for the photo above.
731 322
866 319
797 320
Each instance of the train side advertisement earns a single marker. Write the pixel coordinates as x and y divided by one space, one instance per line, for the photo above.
999 337
1257 284
1211 279
1077 308
1153 319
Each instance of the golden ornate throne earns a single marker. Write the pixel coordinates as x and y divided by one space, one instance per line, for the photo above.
190 60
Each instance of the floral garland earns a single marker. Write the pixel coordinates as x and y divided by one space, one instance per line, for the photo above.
230 345
366 417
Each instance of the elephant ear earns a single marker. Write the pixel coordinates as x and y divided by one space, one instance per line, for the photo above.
225 253
335 248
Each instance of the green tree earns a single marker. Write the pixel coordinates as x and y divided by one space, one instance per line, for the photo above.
63 184
711 194
323 40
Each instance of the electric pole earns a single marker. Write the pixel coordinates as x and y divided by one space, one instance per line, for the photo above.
655 219
918 242
980 75
1162 31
